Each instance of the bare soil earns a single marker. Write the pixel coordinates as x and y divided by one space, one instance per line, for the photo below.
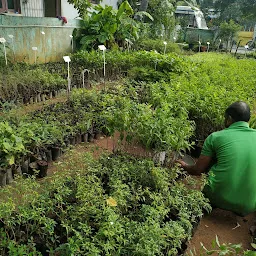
229 227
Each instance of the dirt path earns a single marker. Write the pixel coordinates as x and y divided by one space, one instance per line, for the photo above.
36 106
218 222
224 224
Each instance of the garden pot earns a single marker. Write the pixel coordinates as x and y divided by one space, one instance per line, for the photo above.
78 138
17 170
9 176
43 97
203 48
67 142
56 153
72 141
159 157
85 137
25 100
34 157
32 167
39 97
91 137
190 46
105 131
2 178
20 101
42 155
48 153
98 135
24 166
43 167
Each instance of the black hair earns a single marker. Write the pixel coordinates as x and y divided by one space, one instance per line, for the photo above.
239 111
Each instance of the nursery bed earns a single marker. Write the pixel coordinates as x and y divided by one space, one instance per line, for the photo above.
218 222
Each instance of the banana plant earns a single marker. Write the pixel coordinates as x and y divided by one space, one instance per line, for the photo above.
109 27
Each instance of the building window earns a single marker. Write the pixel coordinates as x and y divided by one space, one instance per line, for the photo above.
9 6
52 8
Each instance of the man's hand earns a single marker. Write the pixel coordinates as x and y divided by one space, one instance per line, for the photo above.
202 165
182 163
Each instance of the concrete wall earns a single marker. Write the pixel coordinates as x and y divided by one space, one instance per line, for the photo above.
194 34
27 34
112 3
68 10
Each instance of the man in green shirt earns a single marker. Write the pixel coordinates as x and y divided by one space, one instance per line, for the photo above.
232 178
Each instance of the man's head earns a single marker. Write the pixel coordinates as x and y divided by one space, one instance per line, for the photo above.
238 111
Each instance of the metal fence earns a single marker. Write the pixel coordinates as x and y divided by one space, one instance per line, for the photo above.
32 8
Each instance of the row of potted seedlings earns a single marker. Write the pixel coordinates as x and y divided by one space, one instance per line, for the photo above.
23 85
45 135
37 162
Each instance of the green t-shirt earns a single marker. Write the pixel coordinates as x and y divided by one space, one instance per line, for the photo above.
232 178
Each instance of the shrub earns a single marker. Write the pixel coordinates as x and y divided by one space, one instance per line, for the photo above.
117 206
156 45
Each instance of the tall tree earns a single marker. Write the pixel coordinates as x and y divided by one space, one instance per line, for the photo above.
232 9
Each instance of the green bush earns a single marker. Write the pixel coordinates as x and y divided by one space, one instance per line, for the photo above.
20 82
119 63
156 45
117 206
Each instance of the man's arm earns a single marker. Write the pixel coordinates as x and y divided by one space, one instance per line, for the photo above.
202 165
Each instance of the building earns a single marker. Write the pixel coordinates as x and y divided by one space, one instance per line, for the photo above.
193 17
44 8
45 24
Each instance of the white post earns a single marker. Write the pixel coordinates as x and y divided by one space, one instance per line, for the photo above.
72 43
83 78
3 41
208 46
43 33
103 49
5 55
156 60
67 59
11 36
35 50
68 70
104 59
246 47
83 72
128 44
69 89
219 45
165 43
199 49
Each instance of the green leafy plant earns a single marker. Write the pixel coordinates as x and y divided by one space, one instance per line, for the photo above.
118 205
19 83
224 249
228 31
107 26
11 146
